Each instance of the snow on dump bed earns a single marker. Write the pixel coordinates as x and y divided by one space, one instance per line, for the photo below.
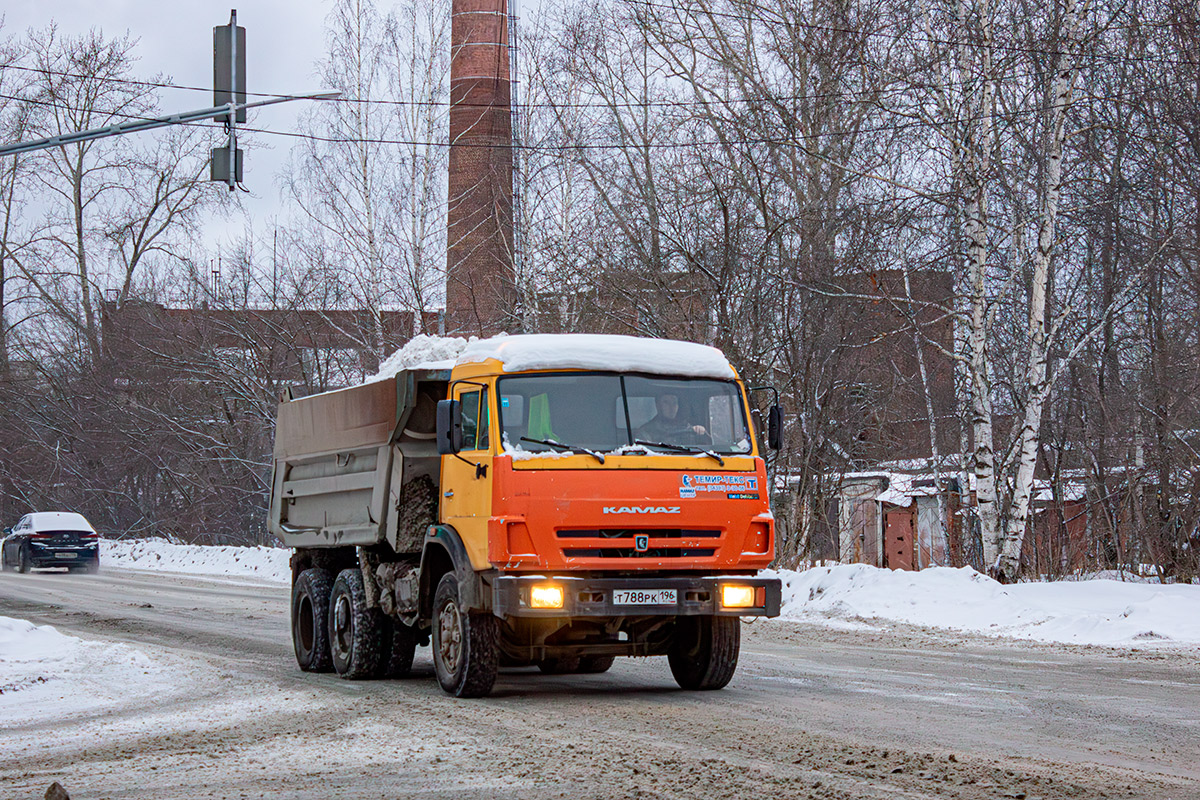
421 352
600 352
46 675
267 563
1103 612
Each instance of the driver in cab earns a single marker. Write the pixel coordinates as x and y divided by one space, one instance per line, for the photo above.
667 423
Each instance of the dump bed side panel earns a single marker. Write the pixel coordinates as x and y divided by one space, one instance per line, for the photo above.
359 416
333 459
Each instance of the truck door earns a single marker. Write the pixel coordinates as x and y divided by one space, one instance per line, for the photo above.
466 501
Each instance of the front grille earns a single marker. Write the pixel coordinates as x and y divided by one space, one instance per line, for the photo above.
629 533
629 552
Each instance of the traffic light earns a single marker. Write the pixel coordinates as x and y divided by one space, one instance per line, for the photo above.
229 86
229 65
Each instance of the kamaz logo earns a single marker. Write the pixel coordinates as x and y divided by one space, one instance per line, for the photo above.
642 509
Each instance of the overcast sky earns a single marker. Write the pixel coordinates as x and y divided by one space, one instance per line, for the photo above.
283 42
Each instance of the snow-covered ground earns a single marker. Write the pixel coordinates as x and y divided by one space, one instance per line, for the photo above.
1105 612
159 555
1101 611
47 675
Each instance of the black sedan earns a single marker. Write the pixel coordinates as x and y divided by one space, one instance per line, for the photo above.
51 539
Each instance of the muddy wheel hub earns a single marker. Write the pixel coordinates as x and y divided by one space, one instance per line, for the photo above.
341 624
450 637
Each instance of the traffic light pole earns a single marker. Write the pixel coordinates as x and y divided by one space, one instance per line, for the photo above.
234 177
136 126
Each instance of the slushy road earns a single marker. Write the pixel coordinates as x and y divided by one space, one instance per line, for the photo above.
811 713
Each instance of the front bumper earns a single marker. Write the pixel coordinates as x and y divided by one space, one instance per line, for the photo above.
594 597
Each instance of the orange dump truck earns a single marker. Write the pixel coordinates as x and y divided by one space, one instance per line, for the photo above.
549 500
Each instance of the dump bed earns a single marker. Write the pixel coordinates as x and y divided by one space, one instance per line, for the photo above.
350 464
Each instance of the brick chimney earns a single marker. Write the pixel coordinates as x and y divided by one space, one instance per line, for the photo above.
480 285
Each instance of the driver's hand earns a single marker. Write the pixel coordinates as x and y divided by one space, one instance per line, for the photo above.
699 429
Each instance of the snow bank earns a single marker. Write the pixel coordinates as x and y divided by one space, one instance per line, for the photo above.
46 675
267 563
421 352
600 352
1080 612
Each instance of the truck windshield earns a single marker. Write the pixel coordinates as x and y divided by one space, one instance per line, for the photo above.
605 412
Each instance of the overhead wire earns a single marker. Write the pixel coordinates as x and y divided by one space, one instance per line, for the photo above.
550 148
568 147
575 147
635 104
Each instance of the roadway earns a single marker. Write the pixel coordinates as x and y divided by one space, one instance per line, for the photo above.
812 713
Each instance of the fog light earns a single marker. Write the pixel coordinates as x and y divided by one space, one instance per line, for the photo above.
733 596
546 595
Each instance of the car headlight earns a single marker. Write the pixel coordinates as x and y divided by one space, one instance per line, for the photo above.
546 595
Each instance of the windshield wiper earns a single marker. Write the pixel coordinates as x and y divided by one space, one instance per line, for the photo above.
565 447
681 449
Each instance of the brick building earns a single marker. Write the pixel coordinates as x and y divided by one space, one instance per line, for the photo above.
314 349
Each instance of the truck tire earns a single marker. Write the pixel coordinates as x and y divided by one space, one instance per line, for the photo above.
465 645
596 664
704 651
401 649
358 635
310 619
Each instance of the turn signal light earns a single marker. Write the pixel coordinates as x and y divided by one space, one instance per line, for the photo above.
734 596
546 595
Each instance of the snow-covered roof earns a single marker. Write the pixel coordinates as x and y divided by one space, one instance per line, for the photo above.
600 352
60 521
561 351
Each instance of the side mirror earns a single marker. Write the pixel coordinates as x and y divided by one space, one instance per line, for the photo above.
775 427
449 427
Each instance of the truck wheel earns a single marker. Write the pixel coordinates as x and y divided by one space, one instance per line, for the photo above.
403 646
596 664
465 645
704 651
563 665
310 615
356 633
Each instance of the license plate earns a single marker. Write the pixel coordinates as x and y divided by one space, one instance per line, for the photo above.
68 555
644 597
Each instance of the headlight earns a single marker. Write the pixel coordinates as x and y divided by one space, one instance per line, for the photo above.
546 595
734 596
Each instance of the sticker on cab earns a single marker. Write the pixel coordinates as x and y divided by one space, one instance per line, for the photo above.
741 485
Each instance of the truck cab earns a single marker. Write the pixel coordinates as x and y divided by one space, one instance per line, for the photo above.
549 500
